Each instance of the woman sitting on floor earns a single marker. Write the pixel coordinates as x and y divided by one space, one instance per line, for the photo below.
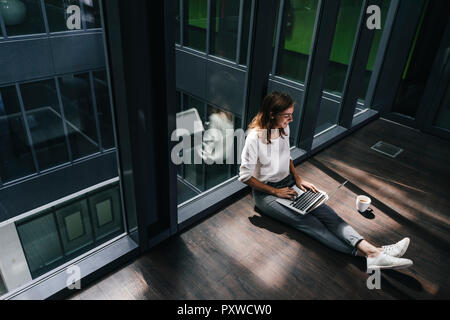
268 169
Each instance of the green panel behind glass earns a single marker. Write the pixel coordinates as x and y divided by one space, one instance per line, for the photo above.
195 32
304 16
104 212
342 48
198 13
74 225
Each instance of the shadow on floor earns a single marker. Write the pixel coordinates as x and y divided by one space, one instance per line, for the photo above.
409 282
393 214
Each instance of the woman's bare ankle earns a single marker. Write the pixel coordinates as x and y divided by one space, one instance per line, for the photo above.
368 249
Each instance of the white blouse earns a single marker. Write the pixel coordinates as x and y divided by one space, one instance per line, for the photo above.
263 161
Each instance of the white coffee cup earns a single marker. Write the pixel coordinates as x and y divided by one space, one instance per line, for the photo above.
362 203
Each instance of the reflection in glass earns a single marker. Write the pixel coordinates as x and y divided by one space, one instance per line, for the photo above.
190 176
225 23
194 111
23 17
45 123
211 150
16 160
92 14
296 38
215 148
104 109
57 14
79 113
195 20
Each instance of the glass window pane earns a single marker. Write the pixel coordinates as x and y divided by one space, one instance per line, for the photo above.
374 51
346 27
225 20
16 160
296 38
422 55
443 116
92 14
194 111
45 122
178 21
22 17
79 112
184 191
74 226
275 32
104 109
195 20
57 14
245 31
40 242
211 149
340 56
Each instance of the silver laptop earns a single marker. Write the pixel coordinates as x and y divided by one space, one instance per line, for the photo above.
305 201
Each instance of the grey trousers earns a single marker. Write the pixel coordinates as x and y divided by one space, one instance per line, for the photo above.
323 223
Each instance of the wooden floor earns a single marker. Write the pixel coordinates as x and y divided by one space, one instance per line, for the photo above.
239 254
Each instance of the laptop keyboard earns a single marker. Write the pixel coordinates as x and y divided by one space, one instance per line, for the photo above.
307 200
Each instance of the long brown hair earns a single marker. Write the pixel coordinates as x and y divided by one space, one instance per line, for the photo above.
273 104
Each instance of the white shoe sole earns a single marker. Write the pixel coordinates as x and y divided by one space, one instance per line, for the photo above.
404 266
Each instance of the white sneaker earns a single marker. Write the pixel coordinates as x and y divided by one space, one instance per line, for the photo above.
385 261
397 250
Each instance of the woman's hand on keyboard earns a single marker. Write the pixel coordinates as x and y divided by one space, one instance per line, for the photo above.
309 186
285 193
